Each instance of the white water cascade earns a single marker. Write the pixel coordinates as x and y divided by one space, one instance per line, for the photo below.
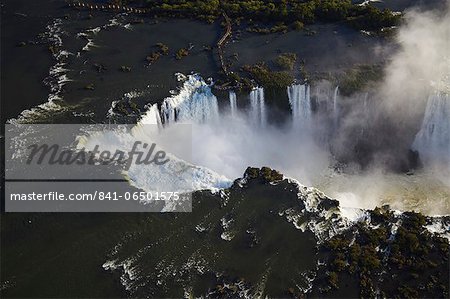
258 113
336 111
433 140
300 101
150 123
152 116
233 103
194 102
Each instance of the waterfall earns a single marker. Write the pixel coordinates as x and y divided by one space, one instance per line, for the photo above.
433 140
300 101
233 104
336 108
366 112
258 107
194 102
150 123
152 116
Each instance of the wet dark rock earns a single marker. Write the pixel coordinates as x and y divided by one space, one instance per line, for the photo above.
53 49
100 68
414 159
90 86
126 108
265 173
137 21
207 48
125 69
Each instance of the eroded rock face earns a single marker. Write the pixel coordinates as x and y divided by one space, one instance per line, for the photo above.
265 174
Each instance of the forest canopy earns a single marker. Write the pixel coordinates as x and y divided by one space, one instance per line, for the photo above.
363 17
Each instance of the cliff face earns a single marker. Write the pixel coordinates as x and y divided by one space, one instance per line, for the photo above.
268 235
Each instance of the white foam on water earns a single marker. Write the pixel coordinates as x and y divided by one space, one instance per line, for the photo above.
233 103
90 44
433 140
258 112
336 111
194 102
176 175
353 214
437 226
56 80
300 102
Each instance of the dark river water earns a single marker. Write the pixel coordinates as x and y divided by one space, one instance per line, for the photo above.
95 45
61 65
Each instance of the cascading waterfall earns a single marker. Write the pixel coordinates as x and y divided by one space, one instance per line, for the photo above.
152 116
258 113
150 123
195 102
366 113
233 103
433 140
336 108
300 101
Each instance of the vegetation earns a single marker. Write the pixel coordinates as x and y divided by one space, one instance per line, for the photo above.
153 57
268 78
387 252
358 78
126 108
274 76
100 68
280 27
283 12
265 173
298 25
286 61
372 19
163 48
181 53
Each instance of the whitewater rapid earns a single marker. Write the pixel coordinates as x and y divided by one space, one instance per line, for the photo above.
433 139
225 141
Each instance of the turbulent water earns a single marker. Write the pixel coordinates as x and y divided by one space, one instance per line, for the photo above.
300 101
433 139
248 238
258 113
195 101
225 141
233 103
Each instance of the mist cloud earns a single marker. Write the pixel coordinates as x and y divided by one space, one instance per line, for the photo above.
377 128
